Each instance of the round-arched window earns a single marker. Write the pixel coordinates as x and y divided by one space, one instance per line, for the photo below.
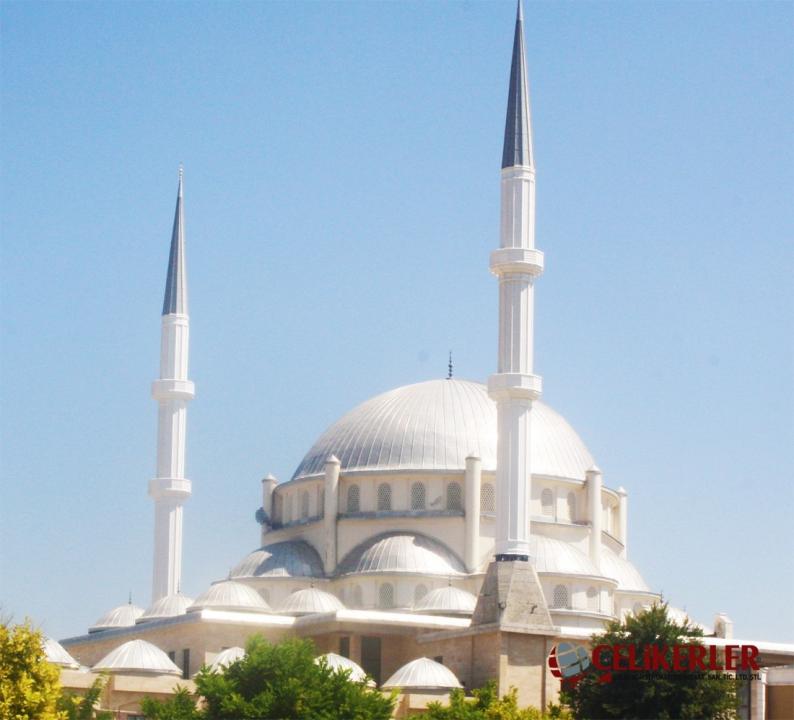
304 505
547 502
560 597
354 499
386 596
592 599
358 600
418 496
454 496
384 496
571 507
419 592
487 498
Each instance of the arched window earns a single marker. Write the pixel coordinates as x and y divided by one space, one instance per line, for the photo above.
304 505
547 502
265 593
418 496
560 597
487 498
357 596
386 596
592 599
454 496
320 501
384 496
354 499
290 507
419 592
278 507
571 507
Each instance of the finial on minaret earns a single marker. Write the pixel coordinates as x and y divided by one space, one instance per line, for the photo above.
175 300
449 366
129 599
517 148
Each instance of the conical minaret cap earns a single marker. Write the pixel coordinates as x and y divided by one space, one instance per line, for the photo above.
175 301
518 128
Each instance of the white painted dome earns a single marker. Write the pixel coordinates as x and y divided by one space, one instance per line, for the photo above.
137 656
310 601
422 674
628 577
121 616
435 425
230 595
289 559
447 601
57 655
550 555
401 553
227 657
168 606
338 662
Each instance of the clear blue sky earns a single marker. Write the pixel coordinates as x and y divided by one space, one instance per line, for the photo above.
342 188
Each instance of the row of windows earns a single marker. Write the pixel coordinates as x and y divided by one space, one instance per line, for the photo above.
547 504
561 598
453 501
284 506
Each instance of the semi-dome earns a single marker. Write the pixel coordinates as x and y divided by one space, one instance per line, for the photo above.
422 674
230 595
289 559
401 553
447 601
623 571
57 655
165 607
121 616
226 657
435 425
550 555
310 601
139 657
338 662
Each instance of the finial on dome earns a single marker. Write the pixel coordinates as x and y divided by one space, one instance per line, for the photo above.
449 366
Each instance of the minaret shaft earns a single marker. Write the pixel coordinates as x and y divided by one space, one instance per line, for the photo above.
172 391
516 264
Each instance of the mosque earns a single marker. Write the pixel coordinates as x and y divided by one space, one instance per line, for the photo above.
439 535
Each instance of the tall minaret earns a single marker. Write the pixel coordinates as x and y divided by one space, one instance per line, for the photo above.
516 263
172 391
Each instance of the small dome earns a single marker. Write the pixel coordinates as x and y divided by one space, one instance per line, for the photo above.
422 674
447 601
168 606
289 559
121 616
57 655
137 656
401 553
230 595
550 555
227 657
338 662
310 601
434 425
623 571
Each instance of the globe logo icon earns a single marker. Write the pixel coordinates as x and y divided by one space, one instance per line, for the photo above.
567 660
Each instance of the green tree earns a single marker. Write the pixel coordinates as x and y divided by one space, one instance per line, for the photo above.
680 695
29 684
82 707
487 705
275 681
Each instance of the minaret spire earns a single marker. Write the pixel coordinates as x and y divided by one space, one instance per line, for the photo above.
517 264
172 391
517 149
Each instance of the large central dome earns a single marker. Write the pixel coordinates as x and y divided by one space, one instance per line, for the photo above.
435 425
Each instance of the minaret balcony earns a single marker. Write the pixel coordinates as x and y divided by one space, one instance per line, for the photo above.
167 389
515 385
525 261
176 488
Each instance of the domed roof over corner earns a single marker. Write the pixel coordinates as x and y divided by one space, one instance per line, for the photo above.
401 553
226 658
422 674
309 601
435 425
289 559
447 601
57 655
628 577
230 595
121 616
338 662
165 607
137 656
